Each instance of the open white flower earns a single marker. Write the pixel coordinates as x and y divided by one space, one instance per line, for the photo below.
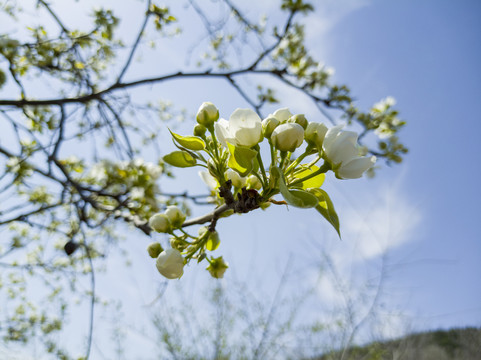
244 128
342 151
170 264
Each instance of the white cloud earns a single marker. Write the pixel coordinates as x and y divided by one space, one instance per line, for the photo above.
384 224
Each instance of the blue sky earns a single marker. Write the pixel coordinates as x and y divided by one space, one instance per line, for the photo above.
418 223
427 55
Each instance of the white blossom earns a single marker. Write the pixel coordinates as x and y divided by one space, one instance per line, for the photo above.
244 128
170 264
160 223
237 180
341 149
315 134
207 114
208 179
175 215
282 114
288 137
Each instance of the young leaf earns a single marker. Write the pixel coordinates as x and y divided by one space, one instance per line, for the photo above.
326 208
180 159
241 159
189 142
294 197
315 182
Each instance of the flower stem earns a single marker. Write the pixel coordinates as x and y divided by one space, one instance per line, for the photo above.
261 165
296 162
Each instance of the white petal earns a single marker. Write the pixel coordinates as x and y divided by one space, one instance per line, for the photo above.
355 168
282 114
243 118
330 137
245 126
208 179
344 149
222 131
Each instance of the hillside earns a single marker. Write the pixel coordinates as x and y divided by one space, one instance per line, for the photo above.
454 344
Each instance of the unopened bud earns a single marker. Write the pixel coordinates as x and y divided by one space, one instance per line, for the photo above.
315 133
299 119
199 130
213 241
288 137
160 223
207 114
282 114
253 182
269 124
154 249
237 180
175 215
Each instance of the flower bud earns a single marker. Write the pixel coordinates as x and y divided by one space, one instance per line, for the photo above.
299 119
202 231
253 182
160 223
178 244
315 133
288 137
268 125
213 241
237 180
207 114
282 114
217 267
199 130
175 215
170 264
154 249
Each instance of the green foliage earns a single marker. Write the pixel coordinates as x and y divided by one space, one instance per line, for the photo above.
241 159
180 159
326 208
189 142
294 197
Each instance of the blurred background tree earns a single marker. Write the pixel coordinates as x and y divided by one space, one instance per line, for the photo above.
76 127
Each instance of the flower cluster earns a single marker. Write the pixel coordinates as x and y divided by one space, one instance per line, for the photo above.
241 182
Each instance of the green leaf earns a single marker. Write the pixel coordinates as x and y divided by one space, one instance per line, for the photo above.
241 159
294 197
180 159
189 142
315 182
326 208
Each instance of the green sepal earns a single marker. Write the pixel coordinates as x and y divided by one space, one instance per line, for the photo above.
295 197
315 182
180 159
241 159
326 208
189 142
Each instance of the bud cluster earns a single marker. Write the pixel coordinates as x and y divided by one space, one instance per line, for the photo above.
241 182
